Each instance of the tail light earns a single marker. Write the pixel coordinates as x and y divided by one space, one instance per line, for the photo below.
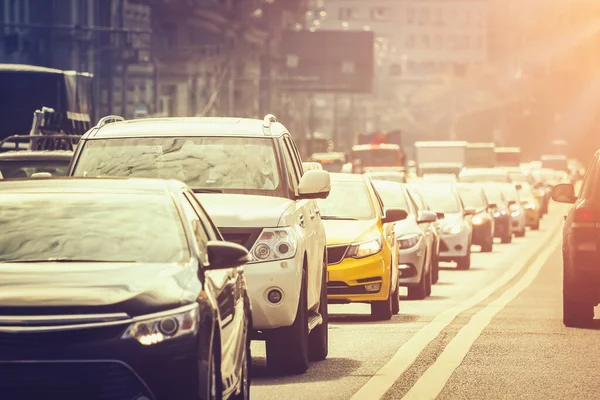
584 214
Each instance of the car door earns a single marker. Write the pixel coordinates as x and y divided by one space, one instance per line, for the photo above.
426 228
312 240
225 287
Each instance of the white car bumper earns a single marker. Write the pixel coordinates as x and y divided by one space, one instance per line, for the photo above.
285 276
453 246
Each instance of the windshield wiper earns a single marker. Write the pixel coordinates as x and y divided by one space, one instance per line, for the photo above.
207 190
65 260
328 217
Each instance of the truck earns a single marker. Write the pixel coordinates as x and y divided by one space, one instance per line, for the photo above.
508 156
380 151
480 155
440 157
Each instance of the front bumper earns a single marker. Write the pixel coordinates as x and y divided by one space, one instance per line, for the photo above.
262 277
96 364
410 267
347 281
453 246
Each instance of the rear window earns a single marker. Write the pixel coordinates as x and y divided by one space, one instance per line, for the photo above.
392 195
472 198
12 169
95 227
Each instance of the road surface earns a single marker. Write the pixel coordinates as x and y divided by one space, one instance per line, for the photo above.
494 331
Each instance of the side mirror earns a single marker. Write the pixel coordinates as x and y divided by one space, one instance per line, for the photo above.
314 184
427 217
564 193
440 215
492 206
518 186
223 255
41 175
469 212
394 215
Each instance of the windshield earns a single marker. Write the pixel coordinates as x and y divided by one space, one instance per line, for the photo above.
82 227
483 177
440 198
10 169
472 198
228 164
378 157
337 205
392 195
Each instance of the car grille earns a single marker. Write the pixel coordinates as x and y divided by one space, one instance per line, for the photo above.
443 246
60 338
102 380
243 236
335 287
335 254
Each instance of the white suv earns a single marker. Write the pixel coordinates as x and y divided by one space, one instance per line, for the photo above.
248 175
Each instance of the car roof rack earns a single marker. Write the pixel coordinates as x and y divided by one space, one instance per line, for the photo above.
109 119
268 120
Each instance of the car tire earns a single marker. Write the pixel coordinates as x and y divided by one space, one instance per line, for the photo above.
418 291
435 269
536 226
428 282
319 336
464 263
396 299
213 391
287 347
382 310
507 237
244 393
576 313
488 246
520 233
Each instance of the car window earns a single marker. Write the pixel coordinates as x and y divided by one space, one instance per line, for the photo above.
81 226
26 168
245 165
337 204
200 235
412 202
211 230
292 172
440 198
298 172
472 198
392 195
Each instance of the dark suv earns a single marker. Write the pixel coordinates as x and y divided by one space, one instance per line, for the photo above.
581 277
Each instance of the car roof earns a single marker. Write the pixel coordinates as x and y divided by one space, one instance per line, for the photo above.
37 155
387 184
187 127
91 185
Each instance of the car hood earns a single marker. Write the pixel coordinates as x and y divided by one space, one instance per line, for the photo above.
243 210
90 288
406 227
345 232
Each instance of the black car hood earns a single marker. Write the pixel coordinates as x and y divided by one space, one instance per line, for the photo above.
83 288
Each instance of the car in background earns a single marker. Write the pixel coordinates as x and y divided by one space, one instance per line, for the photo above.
136 297
393 176
456 227
473 198
433 227
484 175
331 162
234 165
542 194
309 166
501 213
23 164
362 251
517 210
580 251
415 239
532 206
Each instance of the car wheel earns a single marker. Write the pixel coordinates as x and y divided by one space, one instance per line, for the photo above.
521 233
244 393
287 347
396 300
536 226
507 237
435 268
213 379
428 282
464 263
488 246
319 336
576 313
418 291
382 310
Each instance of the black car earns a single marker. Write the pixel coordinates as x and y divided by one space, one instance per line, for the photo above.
22 164
118 289
581 277
473 198
501 213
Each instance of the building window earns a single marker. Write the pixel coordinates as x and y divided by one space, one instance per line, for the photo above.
437 42
438 17
424 16
410 15
380 14
425 44
478 42
347 14
410 41
452 42
411 66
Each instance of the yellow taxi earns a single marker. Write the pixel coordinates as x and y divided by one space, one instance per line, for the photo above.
531 204
361 247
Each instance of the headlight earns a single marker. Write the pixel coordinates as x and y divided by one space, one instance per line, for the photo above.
364 249
452 229
156 328
477 220
408 241
274 244
515 213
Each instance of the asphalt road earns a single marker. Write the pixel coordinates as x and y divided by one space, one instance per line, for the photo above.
494 331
